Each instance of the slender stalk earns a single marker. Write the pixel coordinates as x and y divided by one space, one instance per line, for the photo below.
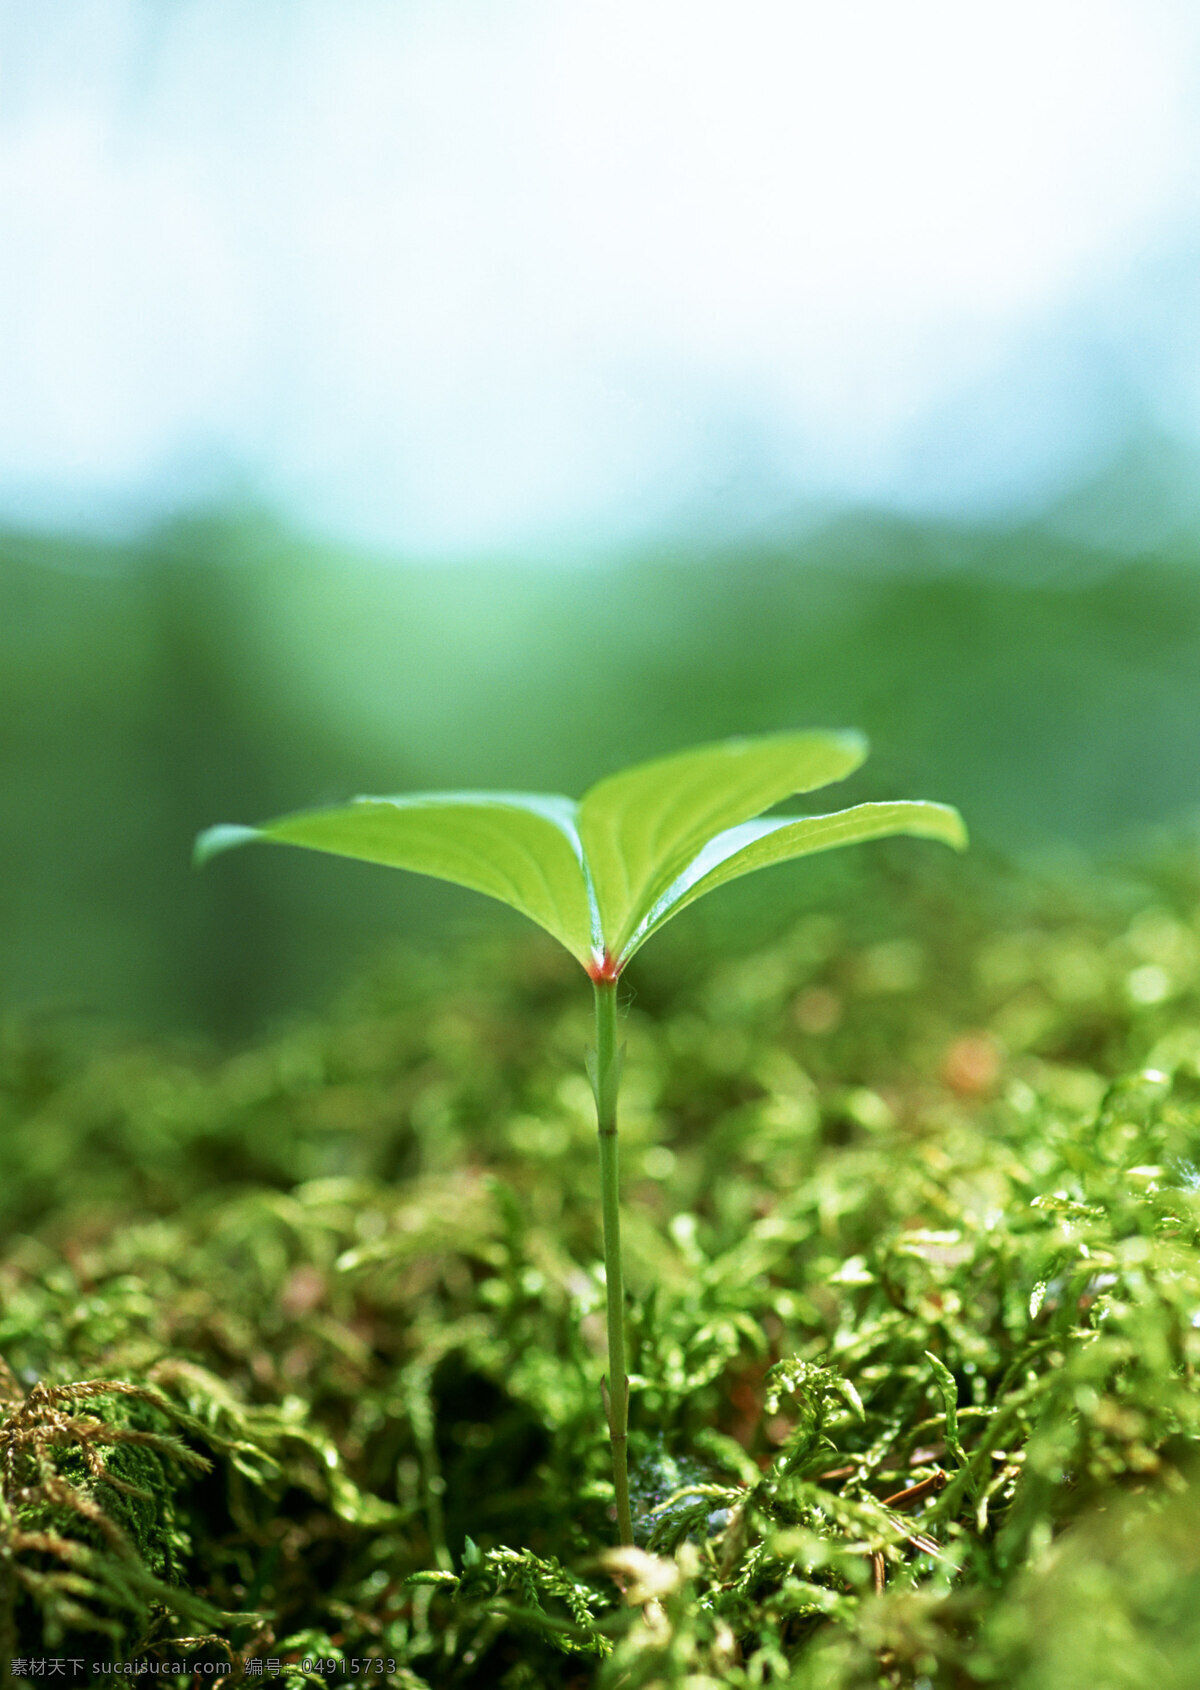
606 1081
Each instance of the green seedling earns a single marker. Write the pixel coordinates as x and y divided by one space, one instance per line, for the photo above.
605 874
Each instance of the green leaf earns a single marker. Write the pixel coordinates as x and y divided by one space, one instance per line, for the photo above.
948 1391
601 876
521 848
641 828
758 844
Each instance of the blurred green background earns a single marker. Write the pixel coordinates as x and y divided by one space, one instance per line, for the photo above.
222 669
413 396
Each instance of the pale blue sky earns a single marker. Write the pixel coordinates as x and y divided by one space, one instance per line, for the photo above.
443 277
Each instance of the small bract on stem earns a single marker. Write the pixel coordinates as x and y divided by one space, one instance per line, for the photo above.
603 875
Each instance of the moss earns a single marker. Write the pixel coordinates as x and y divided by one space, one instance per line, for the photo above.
352 1269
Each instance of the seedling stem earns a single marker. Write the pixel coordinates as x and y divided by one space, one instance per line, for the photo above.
607 1080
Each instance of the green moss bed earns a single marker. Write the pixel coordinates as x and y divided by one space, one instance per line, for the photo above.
302 1344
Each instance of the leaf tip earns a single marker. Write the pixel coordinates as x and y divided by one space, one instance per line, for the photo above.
941 822
957 836
224 837
856 743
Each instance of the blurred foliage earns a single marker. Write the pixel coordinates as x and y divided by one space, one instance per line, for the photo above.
304 1340
222 670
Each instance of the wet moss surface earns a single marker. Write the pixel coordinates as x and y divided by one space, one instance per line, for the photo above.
303 1342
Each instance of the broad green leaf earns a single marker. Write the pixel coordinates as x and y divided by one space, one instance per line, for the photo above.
521 848
758 844
641 828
